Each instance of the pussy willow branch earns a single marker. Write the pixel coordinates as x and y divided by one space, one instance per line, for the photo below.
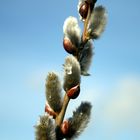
60 117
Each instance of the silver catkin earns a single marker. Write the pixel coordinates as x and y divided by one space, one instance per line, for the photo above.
44 129
97 22
86 58
71 73
72 30
78 122
53 91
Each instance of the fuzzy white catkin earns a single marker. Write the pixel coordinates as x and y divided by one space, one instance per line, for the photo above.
97 22
45 129
53 91
72 73
86 58
78 122
72 30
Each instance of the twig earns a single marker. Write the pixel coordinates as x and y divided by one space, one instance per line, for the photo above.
60 117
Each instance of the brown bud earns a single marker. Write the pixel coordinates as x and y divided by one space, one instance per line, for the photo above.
64 127
50 111
73 93
68 46
84 10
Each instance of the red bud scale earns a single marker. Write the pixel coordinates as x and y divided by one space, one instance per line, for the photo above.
68 46
73 93
50 111
84 10
64 127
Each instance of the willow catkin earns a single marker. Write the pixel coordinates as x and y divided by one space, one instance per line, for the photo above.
97 22
78 122
44 129
72 30
71 73
86 58
53 91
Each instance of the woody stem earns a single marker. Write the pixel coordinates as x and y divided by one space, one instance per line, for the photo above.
60 117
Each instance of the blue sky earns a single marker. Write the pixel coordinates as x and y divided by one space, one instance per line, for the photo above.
31 45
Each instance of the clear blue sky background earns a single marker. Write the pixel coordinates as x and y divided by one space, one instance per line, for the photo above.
31 45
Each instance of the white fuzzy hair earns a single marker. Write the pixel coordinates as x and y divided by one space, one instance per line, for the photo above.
72 72
97 21
72 30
